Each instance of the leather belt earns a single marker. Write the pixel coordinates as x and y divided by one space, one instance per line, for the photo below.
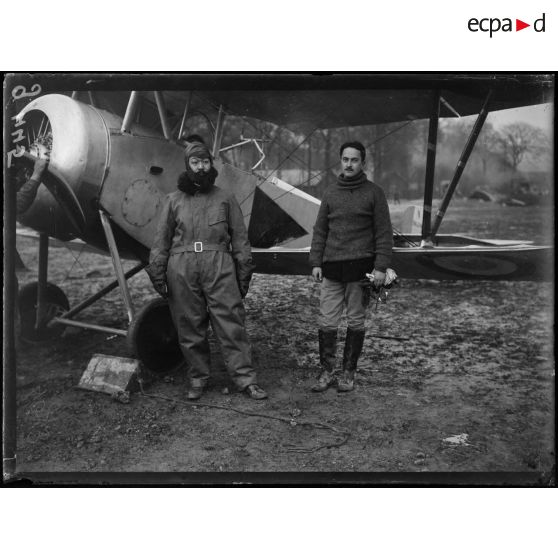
200 247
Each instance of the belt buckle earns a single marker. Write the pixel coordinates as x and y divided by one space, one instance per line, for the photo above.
198 247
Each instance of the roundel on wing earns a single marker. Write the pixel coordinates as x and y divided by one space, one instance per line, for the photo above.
141 202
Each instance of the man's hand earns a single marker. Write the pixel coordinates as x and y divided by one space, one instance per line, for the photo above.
317 274
161 288
243 287
379 278
39 168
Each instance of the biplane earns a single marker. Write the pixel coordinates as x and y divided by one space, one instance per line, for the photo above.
116 148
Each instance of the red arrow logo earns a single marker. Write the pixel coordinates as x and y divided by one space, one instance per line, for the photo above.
519 25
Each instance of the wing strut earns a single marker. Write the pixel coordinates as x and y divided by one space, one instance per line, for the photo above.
218 132
471 140
130 111
117 263
184 116
159 99
92 100
430 167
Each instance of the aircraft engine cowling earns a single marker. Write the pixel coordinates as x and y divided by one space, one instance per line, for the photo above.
93 165
77 139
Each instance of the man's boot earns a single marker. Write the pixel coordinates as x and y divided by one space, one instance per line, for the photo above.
327 340
353 348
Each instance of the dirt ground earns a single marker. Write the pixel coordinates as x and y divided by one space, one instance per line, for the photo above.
471 389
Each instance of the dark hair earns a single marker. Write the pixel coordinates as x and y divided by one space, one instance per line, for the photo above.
355 145
194 137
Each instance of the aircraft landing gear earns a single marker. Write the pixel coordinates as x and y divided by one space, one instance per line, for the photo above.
152 338
55 304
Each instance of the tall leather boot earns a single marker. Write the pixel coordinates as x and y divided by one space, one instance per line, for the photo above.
351 354
328 347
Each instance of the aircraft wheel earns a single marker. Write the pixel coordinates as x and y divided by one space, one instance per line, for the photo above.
56 304
152 338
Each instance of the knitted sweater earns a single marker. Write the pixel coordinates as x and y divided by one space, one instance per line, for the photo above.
353 223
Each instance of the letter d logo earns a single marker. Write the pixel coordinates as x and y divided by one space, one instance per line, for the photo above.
541 21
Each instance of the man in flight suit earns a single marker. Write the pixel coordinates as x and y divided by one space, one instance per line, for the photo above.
201 260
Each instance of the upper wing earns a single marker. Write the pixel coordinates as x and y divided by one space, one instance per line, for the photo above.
305 102
338 101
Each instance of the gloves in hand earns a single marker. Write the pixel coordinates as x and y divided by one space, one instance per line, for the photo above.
161 288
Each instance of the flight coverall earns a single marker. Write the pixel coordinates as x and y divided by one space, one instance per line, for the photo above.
201 251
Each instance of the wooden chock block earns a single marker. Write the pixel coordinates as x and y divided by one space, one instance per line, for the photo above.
111 374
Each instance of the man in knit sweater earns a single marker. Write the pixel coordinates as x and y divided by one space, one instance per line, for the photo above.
352 236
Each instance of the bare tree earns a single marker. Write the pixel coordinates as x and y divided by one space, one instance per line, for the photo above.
487 145
521 141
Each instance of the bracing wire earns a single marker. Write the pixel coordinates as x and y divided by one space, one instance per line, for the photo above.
331 166
320 173
292 151
76 260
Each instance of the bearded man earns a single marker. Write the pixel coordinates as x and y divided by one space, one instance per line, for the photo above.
201 261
